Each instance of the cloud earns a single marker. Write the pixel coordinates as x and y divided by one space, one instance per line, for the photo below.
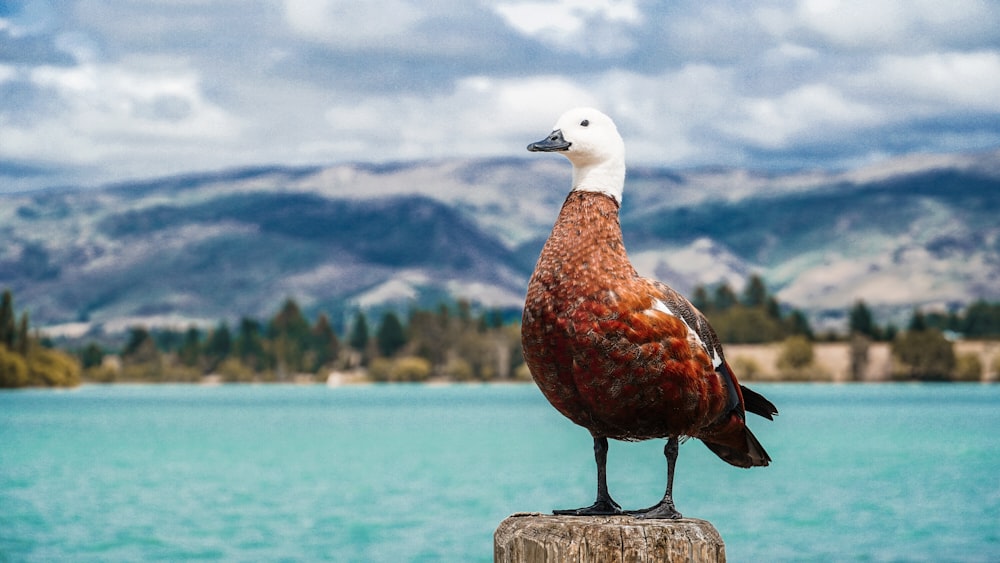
579 26
353 24
893 25
103 115
937 82
106 90
480 116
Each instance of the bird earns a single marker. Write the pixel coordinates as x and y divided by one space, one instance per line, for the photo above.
623 356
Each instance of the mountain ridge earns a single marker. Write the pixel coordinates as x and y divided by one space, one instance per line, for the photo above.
223 244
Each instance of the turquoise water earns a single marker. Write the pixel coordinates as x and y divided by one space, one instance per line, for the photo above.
421 473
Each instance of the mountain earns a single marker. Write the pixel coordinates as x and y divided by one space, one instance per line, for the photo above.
197 248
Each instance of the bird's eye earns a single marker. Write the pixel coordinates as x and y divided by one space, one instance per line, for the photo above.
585 123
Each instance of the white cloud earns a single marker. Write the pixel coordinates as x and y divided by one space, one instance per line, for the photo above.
119 117
7 73
893 25
479 116
938 82
582 26
352 24
812 110
564 16
177 86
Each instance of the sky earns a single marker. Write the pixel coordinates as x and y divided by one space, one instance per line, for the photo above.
101 91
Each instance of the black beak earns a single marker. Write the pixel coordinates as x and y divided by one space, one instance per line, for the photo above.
554 142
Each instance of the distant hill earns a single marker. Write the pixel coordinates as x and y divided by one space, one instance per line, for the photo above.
202 247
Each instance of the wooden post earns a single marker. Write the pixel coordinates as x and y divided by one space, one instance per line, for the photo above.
530 537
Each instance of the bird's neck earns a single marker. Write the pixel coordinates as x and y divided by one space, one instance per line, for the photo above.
586 244
605 177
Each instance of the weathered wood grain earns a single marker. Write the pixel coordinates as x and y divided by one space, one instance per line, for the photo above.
540 538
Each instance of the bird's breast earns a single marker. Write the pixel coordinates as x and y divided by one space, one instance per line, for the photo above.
595 344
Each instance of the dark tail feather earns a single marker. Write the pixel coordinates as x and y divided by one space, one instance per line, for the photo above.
754 456
757 404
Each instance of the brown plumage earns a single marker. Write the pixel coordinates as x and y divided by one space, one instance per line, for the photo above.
623 356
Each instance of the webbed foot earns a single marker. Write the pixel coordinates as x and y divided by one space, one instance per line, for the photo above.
664 510
606 507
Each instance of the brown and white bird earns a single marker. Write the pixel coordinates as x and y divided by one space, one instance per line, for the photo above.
623 356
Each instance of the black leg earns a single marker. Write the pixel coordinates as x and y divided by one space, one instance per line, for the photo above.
604 505
665 508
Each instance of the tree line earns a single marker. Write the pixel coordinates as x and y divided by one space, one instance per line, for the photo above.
754 316
980 320
925 349
453 341
450 342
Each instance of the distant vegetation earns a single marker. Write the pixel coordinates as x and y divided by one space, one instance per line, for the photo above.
457 343
26 361
750 318
450 342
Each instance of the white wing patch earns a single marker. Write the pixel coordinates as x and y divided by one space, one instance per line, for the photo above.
661 307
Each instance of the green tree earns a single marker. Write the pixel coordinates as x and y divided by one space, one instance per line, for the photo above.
927 354
755 292
290 334
859 346
390 336
92 356
137 338
981 320
325 342
7 328
218 346
141 358
358 338
739 324
917 322
773 309
798 324
428 335
700 299
860 320
190 351
250 344
23 340
725 298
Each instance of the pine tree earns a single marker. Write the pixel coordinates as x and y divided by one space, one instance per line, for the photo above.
359 334
250 344
358 339
700 299
22 343
190 350
917 322
136 338
860 320
725 298
390 336
755 292
326 346
7 329
219 345
92 356
290 334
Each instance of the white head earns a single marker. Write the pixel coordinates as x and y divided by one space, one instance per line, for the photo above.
590 140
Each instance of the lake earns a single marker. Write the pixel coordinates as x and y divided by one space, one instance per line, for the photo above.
886 472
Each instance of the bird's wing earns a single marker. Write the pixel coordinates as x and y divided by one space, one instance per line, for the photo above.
739 396
677 305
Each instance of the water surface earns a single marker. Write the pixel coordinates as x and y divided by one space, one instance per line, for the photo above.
425 473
